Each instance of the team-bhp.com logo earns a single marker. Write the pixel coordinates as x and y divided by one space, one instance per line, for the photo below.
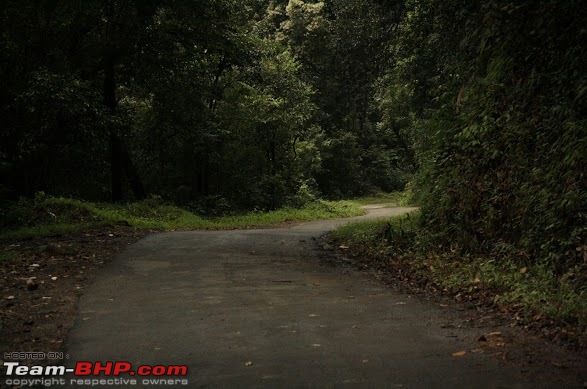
96 374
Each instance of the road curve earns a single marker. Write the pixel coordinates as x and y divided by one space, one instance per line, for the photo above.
262 308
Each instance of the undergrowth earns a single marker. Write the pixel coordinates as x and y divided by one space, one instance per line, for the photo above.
533 290
46 215
393 199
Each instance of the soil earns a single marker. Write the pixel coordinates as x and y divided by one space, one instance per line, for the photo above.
42 280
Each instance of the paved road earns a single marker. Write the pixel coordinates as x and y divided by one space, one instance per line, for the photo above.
215 300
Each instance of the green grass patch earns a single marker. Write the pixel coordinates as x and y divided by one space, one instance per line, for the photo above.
536 288
394 199
48 215
387 234
508 280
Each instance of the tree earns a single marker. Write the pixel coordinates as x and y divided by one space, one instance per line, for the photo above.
343 48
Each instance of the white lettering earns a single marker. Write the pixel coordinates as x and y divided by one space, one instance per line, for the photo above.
10 366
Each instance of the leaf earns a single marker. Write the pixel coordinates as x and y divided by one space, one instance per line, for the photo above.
459 353
343 246
524 270
248 363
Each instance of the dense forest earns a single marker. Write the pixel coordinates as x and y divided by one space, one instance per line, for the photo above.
477 107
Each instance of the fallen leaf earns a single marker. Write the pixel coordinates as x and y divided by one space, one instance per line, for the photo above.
9 297
343 246
494 333
248 363
459 353
524 270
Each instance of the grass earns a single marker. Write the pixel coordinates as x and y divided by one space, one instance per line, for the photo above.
533 289
383 235
394 199
49 215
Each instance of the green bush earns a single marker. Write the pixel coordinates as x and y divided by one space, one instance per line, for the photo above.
45 210
501 128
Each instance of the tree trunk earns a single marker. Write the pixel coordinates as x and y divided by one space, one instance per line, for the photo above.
272 154
115 142
120 160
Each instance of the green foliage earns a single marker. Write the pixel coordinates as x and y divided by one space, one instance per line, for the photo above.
189 100
342 47
221 106
392 199
396 235
497 116
400 245
44 210
50 215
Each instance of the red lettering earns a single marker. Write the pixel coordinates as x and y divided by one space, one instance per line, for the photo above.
121 367
103 368
83 368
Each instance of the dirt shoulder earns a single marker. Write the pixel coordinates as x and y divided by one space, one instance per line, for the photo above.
41 281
